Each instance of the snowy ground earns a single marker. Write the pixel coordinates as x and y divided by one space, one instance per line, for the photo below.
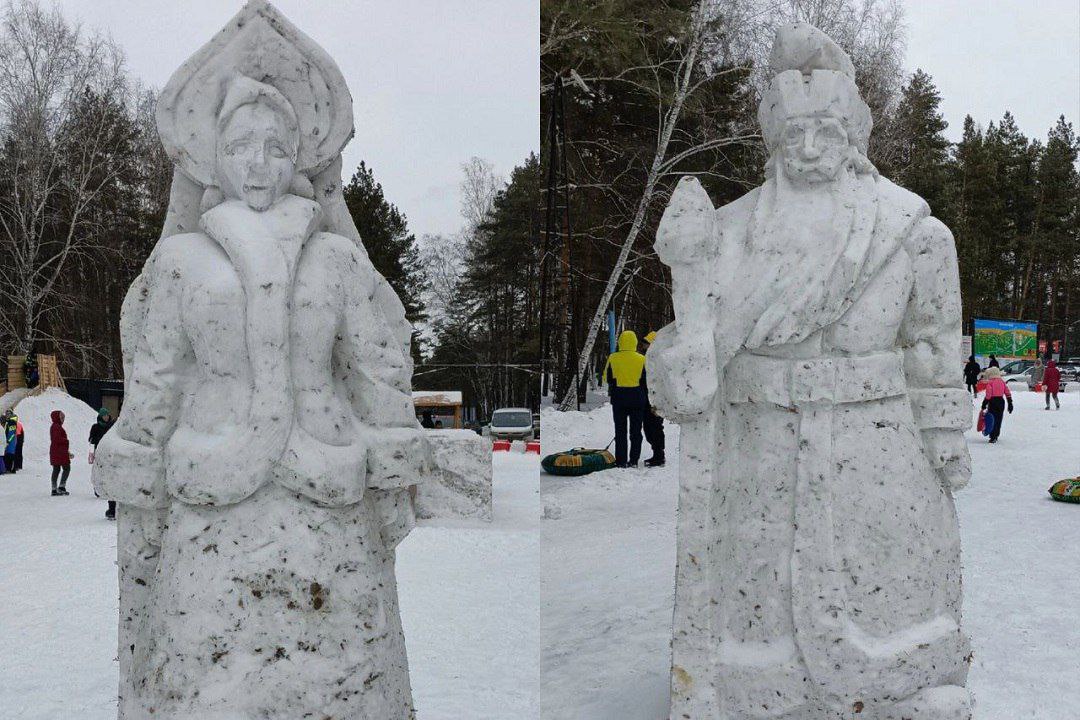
468 595
608 561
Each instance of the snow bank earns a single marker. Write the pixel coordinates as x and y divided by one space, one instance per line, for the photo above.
573 428
34 413
462 486
12 397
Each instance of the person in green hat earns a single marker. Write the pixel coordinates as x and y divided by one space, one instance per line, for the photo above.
97 431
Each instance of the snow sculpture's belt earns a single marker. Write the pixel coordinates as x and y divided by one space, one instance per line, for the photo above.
789 382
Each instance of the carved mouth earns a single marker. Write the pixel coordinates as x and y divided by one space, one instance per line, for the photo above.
256 188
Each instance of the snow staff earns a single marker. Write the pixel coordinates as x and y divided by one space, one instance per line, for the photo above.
995 397
59 453
811 367
625 377
653 424
263 457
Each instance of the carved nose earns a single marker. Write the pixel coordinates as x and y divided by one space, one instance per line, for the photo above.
809 151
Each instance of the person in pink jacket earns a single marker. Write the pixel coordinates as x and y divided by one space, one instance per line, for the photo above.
995 398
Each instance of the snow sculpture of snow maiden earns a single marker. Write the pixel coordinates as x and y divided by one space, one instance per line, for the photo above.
267 440
813 367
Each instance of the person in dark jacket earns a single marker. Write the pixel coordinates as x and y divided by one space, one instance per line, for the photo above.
971 374
993 362
1052 383
59 453
426 420
653 424
11 440
97 431
625 375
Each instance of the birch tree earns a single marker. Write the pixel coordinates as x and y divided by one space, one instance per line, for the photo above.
64 118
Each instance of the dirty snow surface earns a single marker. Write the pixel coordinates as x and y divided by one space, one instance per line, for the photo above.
608 554
468 598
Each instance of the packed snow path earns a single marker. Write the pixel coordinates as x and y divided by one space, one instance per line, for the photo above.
608 554
468 598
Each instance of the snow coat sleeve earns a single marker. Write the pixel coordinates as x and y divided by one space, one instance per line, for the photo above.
377 375
129 463
930 338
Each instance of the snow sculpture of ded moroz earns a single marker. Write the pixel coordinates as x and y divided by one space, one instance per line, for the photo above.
267 441
813 365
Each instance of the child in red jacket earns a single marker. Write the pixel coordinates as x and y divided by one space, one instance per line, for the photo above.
59 453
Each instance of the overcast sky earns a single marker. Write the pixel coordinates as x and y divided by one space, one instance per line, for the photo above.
434 82
989 56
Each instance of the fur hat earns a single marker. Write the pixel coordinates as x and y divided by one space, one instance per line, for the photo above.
814 77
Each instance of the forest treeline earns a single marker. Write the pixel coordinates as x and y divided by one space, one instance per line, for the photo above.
84 188
636 95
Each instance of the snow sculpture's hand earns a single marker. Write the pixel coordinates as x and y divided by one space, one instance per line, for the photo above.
948 454
682 374
397 516
399 457
687 226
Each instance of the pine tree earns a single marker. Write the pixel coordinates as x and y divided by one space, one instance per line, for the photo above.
492 317
385 233
922 152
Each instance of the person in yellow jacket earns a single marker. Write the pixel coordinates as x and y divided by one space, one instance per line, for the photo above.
625 375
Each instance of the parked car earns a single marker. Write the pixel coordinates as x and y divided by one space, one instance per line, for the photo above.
511 424
1016 367
1069 371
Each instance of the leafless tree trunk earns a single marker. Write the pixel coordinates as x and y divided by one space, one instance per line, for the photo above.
686 79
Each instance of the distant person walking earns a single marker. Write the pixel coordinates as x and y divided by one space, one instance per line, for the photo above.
19 437
97 431
1052 383
59 453
995 398
1038 370
11 441
993 361
971 374
426 420
653 424
625 374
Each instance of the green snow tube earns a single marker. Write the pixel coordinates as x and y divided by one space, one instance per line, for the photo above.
579 461
1066 490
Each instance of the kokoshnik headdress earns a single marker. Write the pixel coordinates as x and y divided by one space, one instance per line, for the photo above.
813 77
259 44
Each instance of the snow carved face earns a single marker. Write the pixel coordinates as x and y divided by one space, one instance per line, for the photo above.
815 149
256 156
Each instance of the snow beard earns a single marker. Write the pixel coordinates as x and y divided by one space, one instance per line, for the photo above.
809 246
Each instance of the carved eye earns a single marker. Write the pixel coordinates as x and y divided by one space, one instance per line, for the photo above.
276 151
235 148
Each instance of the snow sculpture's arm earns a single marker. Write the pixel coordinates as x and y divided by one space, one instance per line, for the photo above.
930 337
682 359
129 464
378 378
